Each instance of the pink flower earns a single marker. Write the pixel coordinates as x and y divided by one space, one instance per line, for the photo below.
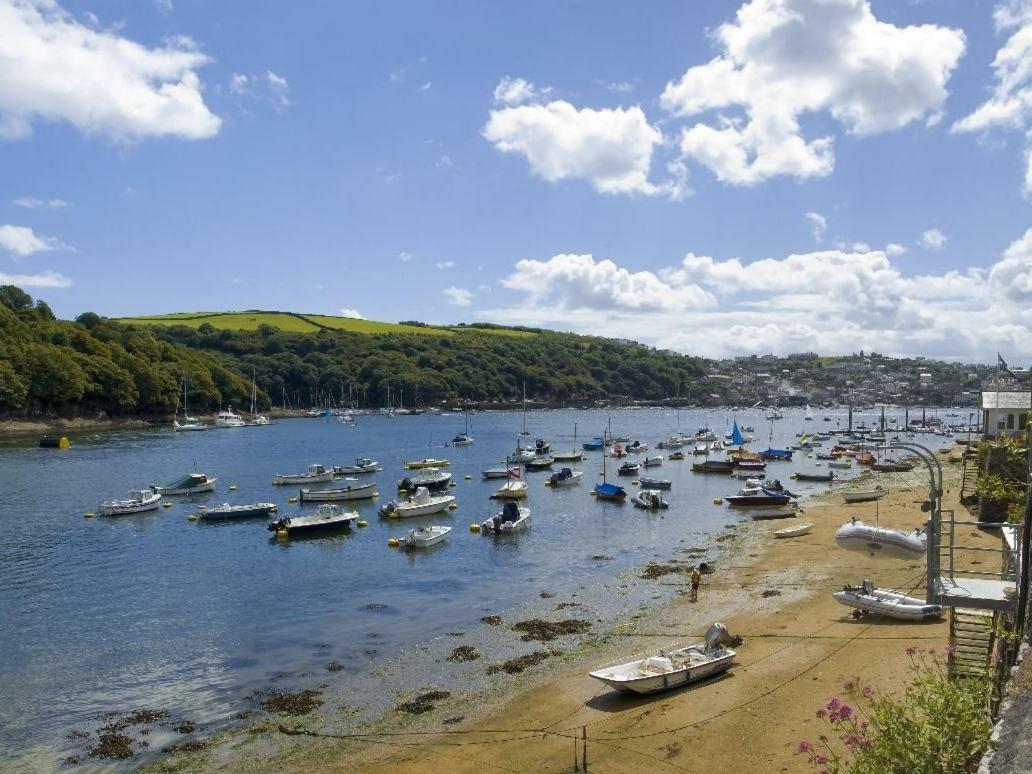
805 747
845 711
867 690
910 650
833 704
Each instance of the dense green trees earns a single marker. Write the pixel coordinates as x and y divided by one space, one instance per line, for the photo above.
50 366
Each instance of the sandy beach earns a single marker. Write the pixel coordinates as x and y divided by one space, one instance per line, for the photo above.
800 647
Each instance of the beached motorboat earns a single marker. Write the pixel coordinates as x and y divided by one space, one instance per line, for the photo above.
423 537
512 518
538 463
513 489
499 473
649 499
855 535
362 465
565 477
674 668
349 492
713 466
757 498
796 530
226 511
892 467
647 482
652 462
316 474
822 477
191 483
426 462
432 479
422 503
628 469
865 598
327 517
863 495
138 501
762 512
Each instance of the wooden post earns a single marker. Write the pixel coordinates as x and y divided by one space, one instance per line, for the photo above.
584 756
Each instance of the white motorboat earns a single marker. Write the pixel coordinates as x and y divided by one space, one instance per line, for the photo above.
672 669
513 489
796 530
227 511
520 455
863 495
362 465
226 418
649 499
512 518
652 462
673 442
316 474
326 518
499 473
701 448
191 483
426 462
422 537
349 492
461 439
565 477
855 535
628 469
646 482
138 501
785 511
189 424
865 598
422 503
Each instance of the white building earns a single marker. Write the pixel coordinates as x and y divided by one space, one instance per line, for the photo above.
1005 413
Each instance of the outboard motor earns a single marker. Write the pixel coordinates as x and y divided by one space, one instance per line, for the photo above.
496 523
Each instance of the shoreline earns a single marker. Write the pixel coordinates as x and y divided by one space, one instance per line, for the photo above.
800 647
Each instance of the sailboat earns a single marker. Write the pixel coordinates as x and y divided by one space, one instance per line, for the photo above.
524 431
809 414
571 456
189 424
463 438
427 462
607 491
257 420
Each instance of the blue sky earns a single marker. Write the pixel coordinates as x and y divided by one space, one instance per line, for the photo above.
714 177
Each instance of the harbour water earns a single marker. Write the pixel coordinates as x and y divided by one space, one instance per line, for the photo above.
152 610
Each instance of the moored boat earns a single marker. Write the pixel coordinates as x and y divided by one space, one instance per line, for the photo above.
713 466
362 465
138 501
512 518
499 473
595 444
226 418
821 477
226 511
433 479
538 463
676 456
423 537
426 462
328 517
672 669
316 474
652 462
565 477
191 483
628 469
865 598
649 499
647 482
422 503
785 511
349 492
513 489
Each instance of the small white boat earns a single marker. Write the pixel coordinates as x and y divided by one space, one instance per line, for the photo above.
512 518
673 442
422 537
565 477
865 598
672 669
426 462
511 490
843 464
227 511
786 511
192 483
647 482
227 418
350 492
652 462
570 456
650 500
138 501
188 425
796 530
863 495
520 455
499 473
362 465
326 518
628 469
316 474
422 503
855 535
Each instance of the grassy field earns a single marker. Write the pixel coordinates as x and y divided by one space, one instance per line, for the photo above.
303 323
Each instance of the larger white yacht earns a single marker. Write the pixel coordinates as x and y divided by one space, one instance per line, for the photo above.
226 418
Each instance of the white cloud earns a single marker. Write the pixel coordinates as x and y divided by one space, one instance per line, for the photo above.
406 256
163 6
458 296
348 312
425 86
611 148
46 279
621 87
818 225
266 87
54 68
516 91
444 265
32 203
238 83
894 250
782 59
829 301
279 90
23 241
933 239
1010 106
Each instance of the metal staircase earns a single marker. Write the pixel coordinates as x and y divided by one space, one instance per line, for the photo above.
971 467
971 641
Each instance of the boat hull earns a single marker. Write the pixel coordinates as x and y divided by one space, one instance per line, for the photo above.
207 486
127 508
363 492
888 605
256 511
862 497
880 541
301 479
669 680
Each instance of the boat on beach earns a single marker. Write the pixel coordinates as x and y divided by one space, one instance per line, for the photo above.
855 535
796 530
316 474
191 483
865 598
764 512
422 503
350 492
327 518
424 537
138 501
226 511
672 669
863 495
819 477
512 518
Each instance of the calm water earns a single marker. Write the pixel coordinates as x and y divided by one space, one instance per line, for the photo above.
153 610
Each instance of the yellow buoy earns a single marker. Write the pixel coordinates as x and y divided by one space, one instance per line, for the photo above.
282 534
376 494
467 477
232 487
192 517
64 443
166 504
717 501
89 515
363 523
474 527
452 506
393 542
291 499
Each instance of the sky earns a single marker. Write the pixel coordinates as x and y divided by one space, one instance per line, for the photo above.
716 178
